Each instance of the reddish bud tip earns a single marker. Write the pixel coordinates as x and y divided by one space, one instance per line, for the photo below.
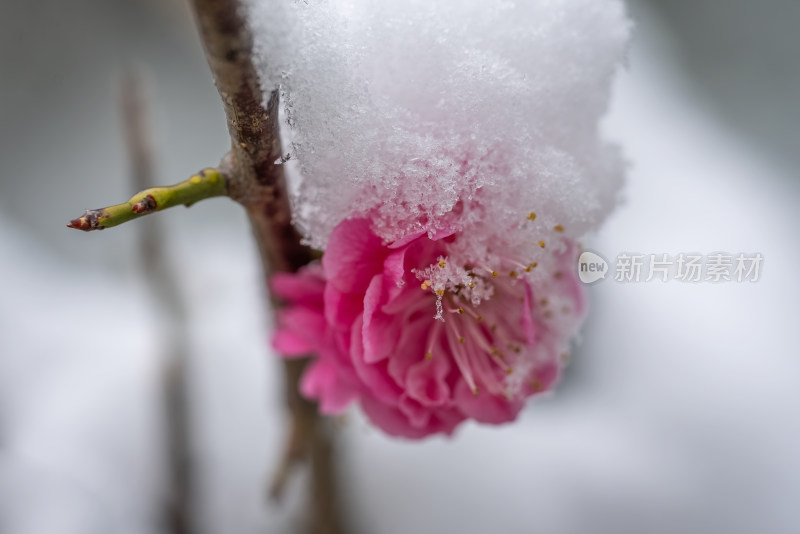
80 224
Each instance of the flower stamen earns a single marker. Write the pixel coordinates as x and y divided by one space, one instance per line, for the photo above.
460 356
433 336
493 352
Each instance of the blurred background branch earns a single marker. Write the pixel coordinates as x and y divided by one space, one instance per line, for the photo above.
169 304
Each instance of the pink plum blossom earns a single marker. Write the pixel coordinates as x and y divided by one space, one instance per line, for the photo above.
423 344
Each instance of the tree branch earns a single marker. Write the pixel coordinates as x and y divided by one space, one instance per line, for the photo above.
259 184
250 175
258 181
206 184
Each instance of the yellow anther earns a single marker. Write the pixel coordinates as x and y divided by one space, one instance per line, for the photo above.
513 274
428 355
541 244
471 285
460 311
425 285
531 216
509 371
461 340
479 318
531 266
442 263
440 292
494 274
558 228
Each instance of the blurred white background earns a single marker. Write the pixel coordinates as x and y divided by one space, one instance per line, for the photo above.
679 413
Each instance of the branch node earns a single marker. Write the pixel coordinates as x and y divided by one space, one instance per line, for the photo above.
146 205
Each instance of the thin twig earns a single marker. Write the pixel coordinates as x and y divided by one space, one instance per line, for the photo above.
162 281
206 184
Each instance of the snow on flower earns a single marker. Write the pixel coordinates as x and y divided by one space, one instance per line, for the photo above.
453 114
445 157
421 343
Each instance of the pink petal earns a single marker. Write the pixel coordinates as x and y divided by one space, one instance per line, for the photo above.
299 331
528 327
353 256
322 381
305 287
395 423
393 274
569 281
543 378
410 348
380 331
405 240
437 235
289 344
418 415
425 381
443 233
341 309
485 408
374 376
391 420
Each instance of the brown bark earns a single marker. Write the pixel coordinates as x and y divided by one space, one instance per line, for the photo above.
257 182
